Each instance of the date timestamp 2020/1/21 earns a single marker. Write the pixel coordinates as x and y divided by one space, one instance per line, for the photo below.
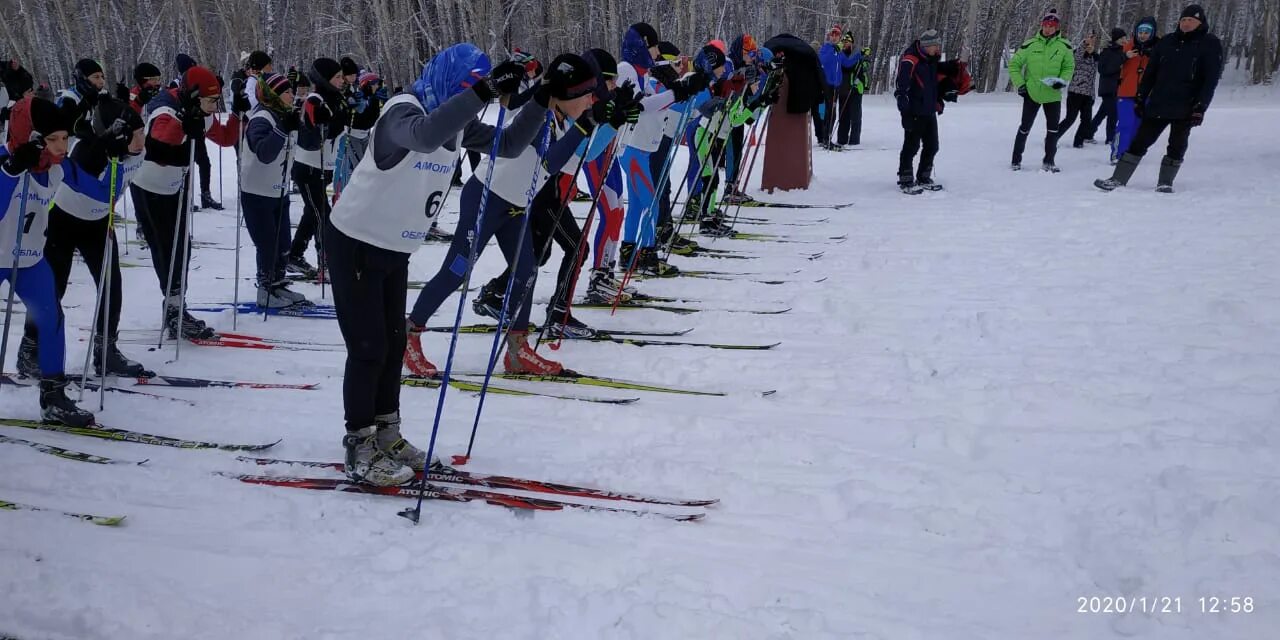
1164 604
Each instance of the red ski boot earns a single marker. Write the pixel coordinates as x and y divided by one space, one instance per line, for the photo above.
521 358
414 359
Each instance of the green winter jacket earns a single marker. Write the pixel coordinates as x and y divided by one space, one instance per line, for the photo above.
1040 58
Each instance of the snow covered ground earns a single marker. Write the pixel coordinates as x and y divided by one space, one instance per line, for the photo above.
1004 397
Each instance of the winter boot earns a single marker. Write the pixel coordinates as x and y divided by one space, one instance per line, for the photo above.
184 324
298 266
715 226
907 183
1019 145
117 363
561 324
692 209
276 295
394 446
436 234
680 245
924 179
521 358
1120 177
1050 167
57 408
28 358
604 288
414 359
207 202
650 264
489 302
627 255
367 463
733 196
1168 171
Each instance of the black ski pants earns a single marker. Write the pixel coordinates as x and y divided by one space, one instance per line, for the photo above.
369 294
1052 112
313 187
919 133
850 125
1107 111
551 221
1149 131
162 219
1077 105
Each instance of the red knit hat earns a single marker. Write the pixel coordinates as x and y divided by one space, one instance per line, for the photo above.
201 82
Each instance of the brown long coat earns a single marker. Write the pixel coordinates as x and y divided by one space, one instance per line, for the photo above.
788 151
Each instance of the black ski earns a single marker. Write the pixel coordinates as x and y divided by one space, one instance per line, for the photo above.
125 435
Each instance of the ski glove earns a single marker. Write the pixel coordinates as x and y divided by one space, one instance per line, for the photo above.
607 112
505 78
25 157
240 103
1022 91
1197 115
290 121
193 123
122 92
320 112
666 75
1057 84
951 96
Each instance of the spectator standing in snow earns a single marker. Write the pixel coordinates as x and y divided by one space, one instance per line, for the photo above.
1137 53
833 61
1040 70
1176 89
918 104
1080 92
853 74
1109 63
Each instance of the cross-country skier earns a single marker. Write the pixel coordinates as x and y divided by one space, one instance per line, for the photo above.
32 164
80 98
1041 68
175 120
324 117
566 91
78 222
264 187
1176 89
378 223
148 84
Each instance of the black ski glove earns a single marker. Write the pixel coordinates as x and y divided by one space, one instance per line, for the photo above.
193 123
665 74
25 157
505 78
1058 85
951 96
1022 91
122 92
606 112
290 121
116 138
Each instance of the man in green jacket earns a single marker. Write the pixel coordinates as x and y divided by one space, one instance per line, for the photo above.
1040 69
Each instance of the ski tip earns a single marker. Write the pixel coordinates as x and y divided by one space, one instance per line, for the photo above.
459 461
768 392
250 447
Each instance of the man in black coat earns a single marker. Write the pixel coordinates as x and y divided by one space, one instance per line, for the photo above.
1176 89
1110 60
918 101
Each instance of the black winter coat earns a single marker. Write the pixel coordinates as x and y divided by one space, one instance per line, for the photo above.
1110 60
917 83
1182 74
807 86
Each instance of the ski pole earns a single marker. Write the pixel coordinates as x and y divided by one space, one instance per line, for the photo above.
745 177
13 272
565 199
322 219
235 286
186 274
284 199
104 291
500 334
685 117
183 201
415 513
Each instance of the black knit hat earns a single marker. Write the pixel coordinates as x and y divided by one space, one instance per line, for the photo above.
713 56
647 32
349 67
667 49
326 68
569 77
1117 33
258 60
46 117
184 62
605 61
86 67
17 80
145 70
1193 11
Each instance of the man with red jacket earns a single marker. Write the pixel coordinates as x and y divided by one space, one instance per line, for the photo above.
175 120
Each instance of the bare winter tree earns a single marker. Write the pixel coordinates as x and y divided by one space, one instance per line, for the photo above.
394 37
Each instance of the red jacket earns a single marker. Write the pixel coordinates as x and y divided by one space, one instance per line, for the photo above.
1131 73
